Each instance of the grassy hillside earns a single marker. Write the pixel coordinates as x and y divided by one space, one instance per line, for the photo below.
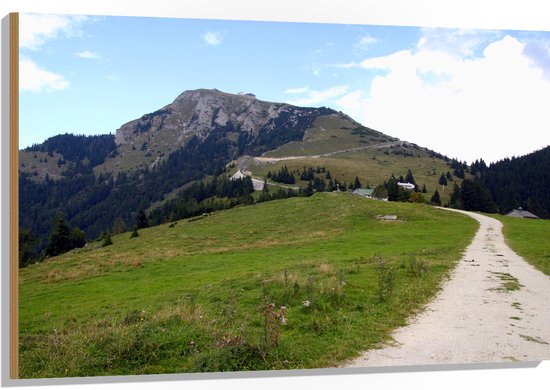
372 167
328 134
529 239
197 296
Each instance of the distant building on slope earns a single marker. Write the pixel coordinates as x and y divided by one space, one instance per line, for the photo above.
407 186
521 213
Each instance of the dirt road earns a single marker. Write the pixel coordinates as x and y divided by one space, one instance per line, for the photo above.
479 315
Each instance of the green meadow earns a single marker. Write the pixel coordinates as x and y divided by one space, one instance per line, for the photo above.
288 284
529 238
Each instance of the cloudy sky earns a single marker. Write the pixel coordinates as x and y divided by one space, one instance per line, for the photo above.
465 93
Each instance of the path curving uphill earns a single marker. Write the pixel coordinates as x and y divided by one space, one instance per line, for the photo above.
495 307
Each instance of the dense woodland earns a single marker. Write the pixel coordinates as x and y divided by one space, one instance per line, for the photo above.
519 182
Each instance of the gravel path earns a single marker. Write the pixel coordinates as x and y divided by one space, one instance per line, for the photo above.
475 318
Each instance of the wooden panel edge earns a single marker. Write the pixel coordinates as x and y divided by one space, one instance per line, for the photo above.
14 195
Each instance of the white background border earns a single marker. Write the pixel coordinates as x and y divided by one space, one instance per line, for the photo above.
503 14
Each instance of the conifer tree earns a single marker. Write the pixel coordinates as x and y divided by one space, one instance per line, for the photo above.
107 240
410 178
435 199
60 240
134 232
142 221
356 183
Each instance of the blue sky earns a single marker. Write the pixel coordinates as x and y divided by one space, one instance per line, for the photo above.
464 93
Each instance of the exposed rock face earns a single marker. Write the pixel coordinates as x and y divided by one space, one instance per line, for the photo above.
254 124
197 112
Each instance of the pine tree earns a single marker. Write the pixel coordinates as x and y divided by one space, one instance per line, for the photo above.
424 190
410 178
107 240
456 197
435 199
392 189
27 247
142 221
134 232
330 185
475 197
60 240
356 183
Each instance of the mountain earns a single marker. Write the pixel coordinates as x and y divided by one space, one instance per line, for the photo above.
175 162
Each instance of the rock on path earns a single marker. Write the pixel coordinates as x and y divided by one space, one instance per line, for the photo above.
475 318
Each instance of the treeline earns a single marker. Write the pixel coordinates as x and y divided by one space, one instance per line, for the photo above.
205 197
518 182
319 179
470 195
94 148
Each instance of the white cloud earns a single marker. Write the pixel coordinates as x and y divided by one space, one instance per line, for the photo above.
212 38
491 106
316 70
462 42
364 42
297 91
315 97
89 55
37 29
35 79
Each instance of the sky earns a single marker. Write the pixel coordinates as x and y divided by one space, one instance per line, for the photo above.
468 94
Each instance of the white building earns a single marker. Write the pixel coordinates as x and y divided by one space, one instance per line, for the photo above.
407 186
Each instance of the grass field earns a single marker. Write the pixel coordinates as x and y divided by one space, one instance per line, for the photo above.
530 239
373 167
296 283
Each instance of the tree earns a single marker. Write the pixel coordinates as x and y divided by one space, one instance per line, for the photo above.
392 189
264 195
456 197
107 240
416 197
309 189
379 192
77 238
27 247
142 221
410 178
443 180
119 226
475 197
435 199
134 232
424 190
356 183
60 240
330 185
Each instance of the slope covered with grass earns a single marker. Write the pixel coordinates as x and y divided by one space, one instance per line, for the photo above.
529 238
296 283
